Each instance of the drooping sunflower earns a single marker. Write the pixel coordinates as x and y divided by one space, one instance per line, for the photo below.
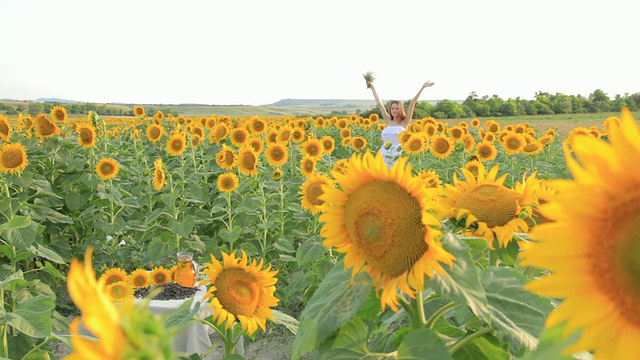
533 148
159 275
13 158
307 166
226 158
159 177
177 144
139 278
277 154
107 168
591 245
240 290
239 136
312 147
227 182
138 111
59 113
113 275
86 135
513 143
5 128
248 161
311 191
155 132
381 218
120 292
491 209
45 128
441 146
486 151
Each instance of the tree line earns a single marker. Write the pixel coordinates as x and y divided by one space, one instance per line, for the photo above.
544 103
79 109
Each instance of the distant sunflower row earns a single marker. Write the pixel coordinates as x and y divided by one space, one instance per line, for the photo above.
120 286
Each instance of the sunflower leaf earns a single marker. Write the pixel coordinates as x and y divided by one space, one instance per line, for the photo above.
420 342
350 343
338 298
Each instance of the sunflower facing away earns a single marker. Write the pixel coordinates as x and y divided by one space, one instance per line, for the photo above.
107 168
240 290
311 190
13 158
591 246
491 209
227 182
381 219
159 177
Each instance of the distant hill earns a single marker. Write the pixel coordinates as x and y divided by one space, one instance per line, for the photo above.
56 100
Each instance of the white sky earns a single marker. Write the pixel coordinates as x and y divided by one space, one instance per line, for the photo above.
258 52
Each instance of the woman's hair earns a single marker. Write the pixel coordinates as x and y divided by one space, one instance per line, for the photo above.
402 115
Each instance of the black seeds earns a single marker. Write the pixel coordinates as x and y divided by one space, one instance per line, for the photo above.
170 291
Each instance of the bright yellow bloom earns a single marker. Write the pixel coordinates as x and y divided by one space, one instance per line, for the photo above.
227 182
159 177
107 168
486 151
5 128
239 136
307 166
226 158
239 290
45 128
177 144
86 135
120 292
58 113
381 218
247 161
441 146
277 154
311 191
591 245
313 148
155 132
13 158
159 275
139 278
138 111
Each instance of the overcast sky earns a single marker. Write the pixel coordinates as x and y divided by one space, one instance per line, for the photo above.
258 52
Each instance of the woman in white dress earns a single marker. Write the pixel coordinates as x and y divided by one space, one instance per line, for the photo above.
397 121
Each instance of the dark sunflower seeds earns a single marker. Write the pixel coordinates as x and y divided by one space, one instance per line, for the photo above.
170 291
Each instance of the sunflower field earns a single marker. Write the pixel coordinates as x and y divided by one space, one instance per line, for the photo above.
482 241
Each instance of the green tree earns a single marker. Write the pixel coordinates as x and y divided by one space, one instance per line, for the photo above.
35 108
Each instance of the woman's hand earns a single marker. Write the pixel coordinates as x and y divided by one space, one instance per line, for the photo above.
427 84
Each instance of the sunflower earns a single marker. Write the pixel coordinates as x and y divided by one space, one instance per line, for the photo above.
492 126
239 136
328 144
342 123
358 142
381 219
5 128
313 148
415 144
155 132
513 143
307 166
340 166
456 133
271 136
218 133
226 158
227 182
284 134
476 167
297 134
441 146
113 275
247 161
469 143
430 129
491 209
159 275
107 168
139 278
13 158
430 178
58 113
159 177
591 245
86 135
159 115
311 191
579 131
546 139
120 292
138 111
345 133
533 148
177 144
475 122
257 125
277 174
240 290
45 128
277 154
486 151
610 123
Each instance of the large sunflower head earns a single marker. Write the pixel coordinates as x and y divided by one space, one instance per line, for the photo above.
486 151
311 191
328 144
592 243
441 146
513 143
177 143
415 144
155 132
86 135
297 134
491 209
226 158
239 290
120 292
277 154
381 218
358 142
107 168
45 127
312 147
284 134
218 133
227 182
256 143
257 125
248 161
113 275
13 158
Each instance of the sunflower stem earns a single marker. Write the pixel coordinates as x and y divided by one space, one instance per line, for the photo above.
465 340
230 223
112 214
229 342
436 315
4 349
421 319
493 258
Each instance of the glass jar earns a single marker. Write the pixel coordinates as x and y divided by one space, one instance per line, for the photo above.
186 270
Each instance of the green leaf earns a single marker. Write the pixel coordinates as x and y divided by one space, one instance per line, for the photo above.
309 251
230 236
76 200
421 342
349 344
336 301
31 316
285 245
517 312
553 343
158 249
45 252
461 284
53 271
486 347
178 319
16 222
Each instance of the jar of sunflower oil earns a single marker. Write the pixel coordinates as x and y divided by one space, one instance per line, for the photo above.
186 270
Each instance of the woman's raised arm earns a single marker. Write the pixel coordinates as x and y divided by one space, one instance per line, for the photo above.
412 104
383 110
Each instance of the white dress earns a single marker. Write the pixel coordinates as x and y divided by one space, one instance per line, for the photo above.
390 133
